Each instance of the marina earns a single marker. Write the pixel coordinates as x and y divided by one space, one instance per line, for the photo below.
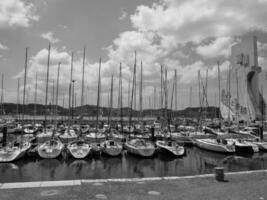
159 99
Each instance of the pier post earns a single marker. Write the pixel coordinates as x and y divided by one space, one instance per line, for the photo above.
219 173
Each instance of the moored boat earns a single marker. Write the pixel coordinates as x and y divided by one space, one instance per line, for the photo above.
12 153
216 145
170 147
111 148
50 149
140 147
243 146
79 149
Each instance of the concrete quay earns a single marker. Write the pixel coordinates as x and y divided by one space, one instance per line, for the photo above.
237 186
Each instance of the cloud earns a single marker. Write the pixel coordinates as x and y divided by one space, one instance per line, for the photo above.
3 47
50 37
16 13
221 46
196 20
123 15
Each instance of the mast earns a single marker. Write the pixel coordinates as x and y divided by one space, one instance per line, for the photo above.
53 102
219 88
82 96
190 96
175 90
111 101
141 93
98 94
18 99
47 79
166 96
2 95
71 91
229 94
25 82
129 91
237 94
35 97
133 88
121 98
161 87
58 70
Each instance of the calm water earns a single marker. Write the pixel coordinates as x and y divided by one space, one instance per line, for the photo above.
127 166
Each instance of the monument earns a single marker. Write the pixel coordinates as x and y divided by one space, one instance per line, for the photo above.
242 98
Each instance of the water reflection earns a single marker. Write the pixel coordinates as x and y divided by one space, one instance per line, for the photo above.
196 161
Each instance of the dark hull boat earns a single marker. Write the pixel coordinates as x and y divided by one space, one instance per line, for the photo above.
244 146
170 148
79 149
50 149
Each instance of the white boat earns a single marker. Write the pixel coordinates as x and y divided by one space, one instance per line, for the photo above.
68 136
217 145
111 148
79 149
29 129
12 153
95 137
170 147
50 149
140 147
44 136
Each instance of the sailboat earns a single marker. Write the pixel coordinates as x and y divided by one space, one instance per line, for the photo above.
111 148
170 147
79 148
9 153
97 136
53 147
140 147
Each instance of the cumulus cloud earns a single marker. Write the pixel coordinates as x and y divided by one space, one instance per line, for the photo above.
221 46
196 20
16 13
50 37
3 47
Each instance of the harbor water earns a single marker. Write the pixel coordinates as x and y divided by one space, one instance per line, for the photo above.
195 162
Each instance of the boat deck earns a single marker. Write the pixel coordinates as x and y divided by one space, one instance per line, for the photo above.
240 185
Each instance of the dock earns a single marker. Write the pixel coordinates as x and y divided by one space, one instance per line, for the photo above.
237 186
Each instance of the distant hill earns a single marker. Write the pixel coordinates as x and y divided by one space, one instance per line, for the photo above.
91 110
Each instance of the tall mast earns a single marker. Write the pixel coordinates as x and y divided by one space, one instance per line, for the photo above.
18 99
71 91
121 98
58 70
129 91
98 94
141 92
161 86
154 102
35 97
229 93
133 88
53 101
219 88
25 82
82 96
47 79
175 90
2 94
111 100
166 96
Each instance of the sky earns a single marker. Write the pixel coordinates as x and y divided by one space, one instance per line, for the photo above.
182 35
